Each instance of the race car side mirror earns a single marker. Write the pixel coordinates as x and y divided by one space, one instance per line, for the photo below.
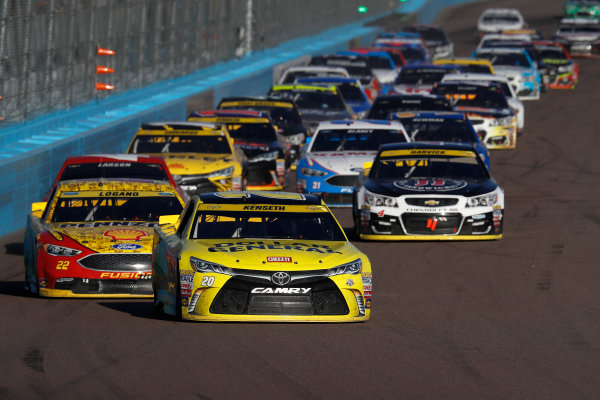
37 209
168 219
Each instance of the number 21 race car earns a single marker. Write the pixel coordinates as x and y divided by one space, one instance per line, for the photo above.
259 256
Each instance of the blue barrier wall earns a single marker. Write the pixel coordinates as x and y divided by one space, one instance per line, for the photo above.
32 153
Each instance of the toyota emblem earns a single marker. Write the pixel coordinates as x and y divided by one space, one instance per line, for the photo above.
280 278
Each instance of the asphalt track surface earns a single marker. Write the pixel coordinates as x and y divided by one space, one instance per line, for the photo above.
517 318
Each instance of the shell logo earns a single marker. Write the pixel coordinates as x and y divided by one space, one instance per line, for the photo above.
125 234
177 166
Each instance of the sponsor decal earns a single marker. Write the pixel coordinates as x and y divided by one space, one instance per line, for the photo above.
114 223
281 278
127 246
263 208
279 259
126 275
125 234
118 194
350 282
367 303
430 185
176 166
185 301
366 274
231 247
114 164
262 290
43 283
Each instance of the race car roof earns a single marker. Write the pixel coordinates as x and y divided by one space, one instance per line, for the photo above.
270 198
179 125
76 187
426 146
429 114
229 114
327 79
267 101
360 124
304 88
430 67
120 158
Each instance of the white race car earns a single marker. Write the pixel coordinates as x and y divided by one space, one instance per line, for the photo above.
511 97
498 19
337 152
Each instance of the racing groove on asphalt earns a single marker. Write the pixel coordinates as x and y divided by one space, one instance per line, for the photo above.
514 319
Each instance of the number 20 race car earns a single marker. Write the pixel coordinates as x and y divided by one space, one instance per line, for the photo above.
258 256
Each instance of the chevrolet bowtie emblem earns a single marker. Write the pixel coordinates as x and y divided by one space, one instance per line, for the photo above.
432 203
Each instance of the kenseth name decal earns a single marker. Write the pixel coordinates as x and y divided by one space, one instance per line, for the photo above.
263 208
230 247
260 290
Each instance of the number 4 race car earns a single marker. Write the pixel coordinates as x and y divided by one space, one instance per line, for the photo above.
94 237
423 191
259 256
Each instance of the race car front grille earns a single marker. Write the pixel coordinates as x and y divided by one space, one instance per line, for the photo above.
107 286
242 296
199 187
118 262
431 202
431 224
342 180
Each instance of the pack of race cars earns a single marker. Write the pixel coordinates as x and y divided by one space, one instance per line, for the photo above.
193 215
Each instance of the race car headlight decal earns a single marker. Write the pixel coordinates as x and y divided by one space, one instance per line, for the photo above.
501 121
221 172
351 268
206 266
377 200
313 172
264 157
565 68
486 200
185 179
55 250
295 140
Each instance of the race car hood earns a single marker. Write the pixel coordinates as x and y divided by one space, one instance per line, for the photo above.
442 187
341 162
194 163
106 237
485 112
272 255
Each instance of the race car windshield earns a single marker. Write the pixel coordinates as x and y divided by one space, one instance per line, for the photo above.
377 62
317 100
579 29
279 115
212 144
119 169
292 76
354 139
442 167
264 133
351 92
91 209
420 76
430 34
552 53
412 54
438 130
489 98
500 19
265 225
508 59
384 107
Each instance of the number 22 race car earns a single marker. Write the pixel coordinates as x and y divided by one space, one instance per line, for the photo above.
259 256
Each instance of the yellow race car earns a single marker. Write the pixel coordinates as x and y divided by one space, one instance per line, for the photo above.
93 238
200 156
259 256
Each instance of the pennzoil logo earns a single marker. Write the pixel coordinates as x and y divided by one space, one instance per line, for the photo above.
125 234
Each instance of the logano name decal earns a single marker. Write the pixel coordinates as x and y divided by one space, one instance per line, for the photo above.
230 247
115 223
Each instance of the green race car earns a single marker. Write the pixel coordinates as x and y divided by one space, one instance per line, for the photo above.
582 8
